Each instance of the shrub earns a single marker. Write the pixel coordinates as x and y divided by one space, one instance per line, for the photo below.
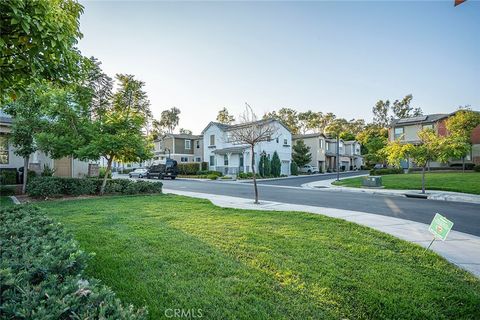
468 166
207 172
47 171
188 168
476 168
8 176
226 178
245 175
276 165
293 168
212 176
58 186
204 166
102 171
380 172
42 273
7 190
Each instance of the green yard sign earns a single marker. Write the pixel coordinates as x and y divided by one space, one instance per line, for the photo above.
440 226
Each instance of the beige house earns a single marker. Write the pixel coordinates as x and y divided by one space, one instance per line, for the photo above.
64 167
317 144
181 147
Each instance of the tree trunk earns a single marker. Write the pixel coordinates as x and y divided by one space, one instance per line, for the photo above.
254 175
107 172
423 179
338 157
25 174
463 164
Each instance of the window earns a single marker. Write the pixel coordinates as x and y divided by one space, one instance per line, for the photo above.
225 160
3 149
212 140
188 144
427 126
398 133
198 144
198 159
183 159
285 142
212 160
241 160
320 143
277 139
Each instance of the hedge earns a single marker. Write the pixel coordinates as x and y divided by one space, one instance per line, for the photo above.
188 168
380 172
476 168
8 176
60 186
42 273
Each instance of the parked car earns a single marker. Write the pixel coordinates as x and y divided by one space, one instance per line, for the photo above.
138 173
380 166
309 169
163 168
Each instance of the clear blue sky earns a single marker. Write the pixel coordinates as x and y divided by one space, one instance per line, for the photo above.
336 57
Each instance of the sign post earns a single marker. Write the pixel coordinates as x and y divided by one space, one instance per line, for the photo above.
440 228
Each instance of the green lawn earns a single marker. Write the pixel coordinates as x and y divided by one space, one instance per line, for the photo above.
450 181
170 251
5 201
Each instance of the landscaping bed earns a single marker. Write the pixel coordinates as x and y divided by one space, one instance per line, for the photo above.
177 252
468 182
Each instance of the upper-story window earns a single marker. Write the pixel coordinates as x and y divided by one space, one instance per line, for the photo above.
212 139
277 139
3 149
225 160
320 143
188 144
398 133
285 142
198 144
427 126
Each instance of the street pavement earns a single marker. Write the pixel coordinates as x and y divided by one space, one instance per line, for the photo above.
299 180
466 216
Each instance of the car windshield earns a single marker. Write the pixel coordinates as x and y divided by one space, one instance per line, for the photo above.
139 170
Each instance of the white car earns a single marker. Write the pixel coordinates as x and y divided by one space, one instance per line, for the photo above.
138 173
309 169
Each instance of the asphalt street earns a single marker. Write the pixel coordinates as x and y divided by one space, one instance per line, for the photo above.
298 181
466 216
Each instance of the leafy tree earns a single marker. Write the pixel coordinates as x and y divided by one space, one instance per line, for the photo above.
28 120
288 117
225 117
384 112
267 167
261 165
276 165
380 113
294 168
309 121
168 120
37 42
401 108
301 153
460 127
354 127
252 132
324 121
185 131
373 139
347 136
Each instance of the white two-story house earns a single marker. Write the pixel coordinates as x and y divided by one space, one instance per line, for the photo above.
231 158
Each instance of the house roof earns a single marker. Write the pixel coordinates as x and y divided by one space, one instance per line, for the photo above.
180 136
228 127
429 118
5 118
238 149
308 135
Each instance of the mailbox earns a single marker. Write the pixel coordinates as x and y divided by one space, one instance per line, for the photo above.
372 181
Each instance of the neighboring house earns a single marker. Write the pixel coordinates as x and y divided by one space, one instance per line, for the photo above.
64 167
316 142
230 158
353 150
181 147
118 166
407 130
349 155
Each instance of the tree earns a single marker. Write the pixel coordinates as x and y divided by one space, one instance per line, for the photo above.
118 132
380 113
225 117
309 121
37 42
276 165
288 117
301 153
251 131
27 120
347 136
168 120
401 108
460 127
373 139
294 168
185 131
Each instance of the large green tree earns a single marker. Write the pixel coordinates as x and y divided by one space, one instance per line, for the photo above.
373 139
301 153
225 117
169 120
37 42
288 116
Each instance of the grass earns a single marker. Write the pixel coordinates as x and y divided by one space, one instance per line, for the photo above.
169 251
5 201
447 181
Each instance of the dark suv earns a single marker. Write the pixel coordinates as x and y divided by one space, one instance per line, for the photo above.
163 168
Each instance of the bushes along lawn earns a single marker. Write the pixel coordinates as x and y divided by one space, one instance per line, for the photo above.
42 273
446 181
58 186
168 251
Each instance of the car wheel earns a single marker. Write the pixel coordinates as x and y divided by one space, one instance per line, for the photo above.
130 176
140 176
148 176
173 178
310 171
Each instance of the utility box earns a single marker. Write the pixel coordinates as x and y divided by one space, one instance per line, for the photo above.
372 182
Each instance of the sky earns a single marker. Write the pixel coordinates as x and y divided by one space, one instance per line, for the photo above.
338 57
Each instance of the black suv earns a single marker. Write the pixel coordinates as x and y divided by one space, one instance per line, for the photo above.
163 168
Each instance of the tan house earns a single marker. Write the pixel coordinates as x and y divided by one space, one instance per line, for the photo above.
317 144
407 131
181 147
64 167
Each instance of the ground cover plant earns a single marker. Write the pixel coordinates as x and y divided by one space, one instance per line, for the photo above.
446 181
42 273
167 251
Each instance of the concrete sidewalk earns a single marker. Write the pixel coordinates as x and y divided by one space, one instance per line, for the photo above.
431 194
460 248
